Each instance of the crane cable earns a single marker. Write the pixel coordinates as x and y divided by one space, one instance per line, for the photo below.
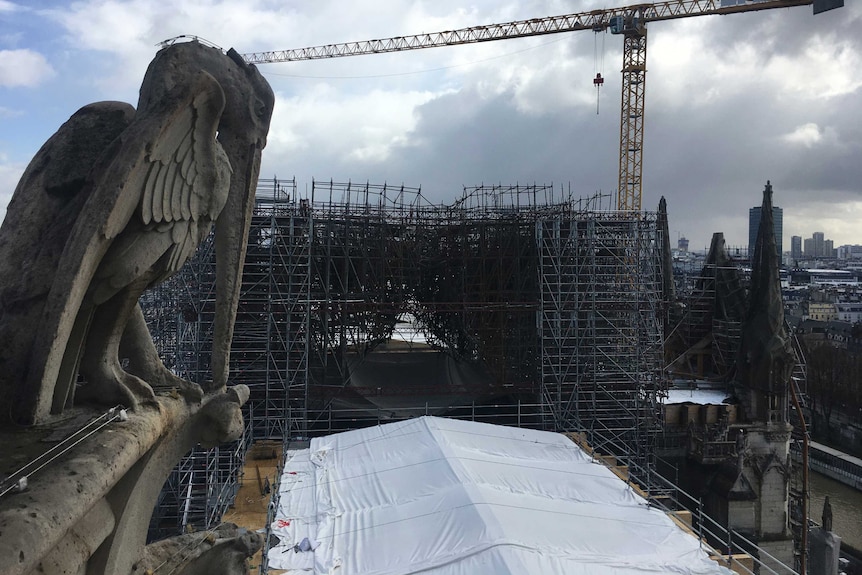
598 63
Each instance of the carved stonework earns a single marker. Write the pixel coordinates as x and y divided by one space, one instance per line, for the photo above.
223 550
92 507
113 204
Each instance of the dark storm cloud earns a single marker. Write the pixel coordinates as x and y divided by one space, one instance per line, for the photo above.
499 145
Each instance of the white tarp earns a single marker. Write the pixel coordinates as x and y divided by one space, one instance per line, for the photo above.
700 396
451 497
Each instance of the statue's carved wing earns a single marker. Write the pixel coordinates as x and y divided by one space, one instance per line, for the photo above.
184 187
158 176
184 182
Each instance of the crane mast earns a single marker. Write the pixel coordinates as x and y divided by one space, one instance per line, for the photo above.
629 21
632 119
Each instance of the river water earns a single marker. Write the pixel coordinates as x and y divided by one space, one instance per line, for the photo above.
846 505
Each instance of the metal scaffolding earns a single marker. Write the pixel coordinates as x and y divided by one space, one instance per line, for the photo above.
199 490
600 333
704 341
554 301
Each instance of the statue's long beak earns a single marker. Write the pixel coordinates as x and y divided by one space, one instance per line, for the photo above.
231 235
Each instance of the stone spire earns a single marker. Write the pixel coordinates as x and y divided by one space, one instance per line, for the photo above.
765 355
668 291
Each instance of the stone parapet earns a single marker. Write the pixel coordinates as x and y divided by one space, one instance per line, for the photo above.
88 510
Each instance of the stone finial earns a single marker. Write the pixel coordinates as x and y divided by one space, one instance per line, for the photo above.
826 517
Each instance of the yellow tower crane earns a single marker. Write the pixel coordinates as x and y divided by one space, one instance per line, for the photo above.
628 21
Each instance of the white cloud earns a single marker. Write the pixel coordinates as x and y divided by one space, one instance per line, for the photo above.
9 112
695 70
130 31
362 128
539 80
827 68
676 62
23 68
421 18
806 135
545 78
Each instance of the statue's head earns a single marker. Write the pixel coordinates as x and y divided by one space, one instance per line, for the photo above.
248 97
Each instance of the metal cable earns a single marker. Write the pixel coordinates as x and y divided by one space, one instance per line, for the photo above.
19 479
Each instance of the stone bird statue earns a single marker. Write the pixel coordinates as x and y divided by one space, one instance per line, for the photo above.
115 203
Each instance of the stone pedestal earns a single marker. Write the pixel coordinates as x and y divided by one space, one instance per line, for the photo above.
781 550
824 548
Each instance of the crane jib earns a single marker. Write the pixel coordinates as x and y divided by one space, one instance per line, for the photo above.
591 20
628 21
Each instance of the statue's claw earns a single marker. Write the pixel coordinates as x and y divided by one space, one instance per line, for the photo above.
115 386
190 391
167 381
193 392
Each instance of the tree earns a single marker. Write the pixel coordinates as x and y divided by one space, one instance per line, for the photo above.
834 382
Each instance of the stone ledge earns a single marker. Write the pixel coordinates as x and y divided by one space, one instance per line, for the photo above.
99 477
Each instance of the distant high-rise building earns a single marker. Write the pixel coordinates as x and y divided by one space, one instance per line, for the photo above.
808 249
849 251
754 224
819 248
796 247
682 244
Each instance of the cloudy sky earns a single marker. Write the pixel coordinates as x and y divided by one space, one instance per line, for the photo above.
732 101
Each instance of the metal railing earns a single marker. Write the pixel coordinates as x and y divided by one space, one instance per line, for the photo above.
716 538
335 420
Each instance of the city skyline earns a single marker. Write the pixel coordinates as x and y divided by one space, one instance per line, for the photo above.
736 250
818 246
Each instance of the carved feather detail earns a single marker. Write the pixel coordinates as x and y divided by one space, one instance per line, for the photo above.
182 178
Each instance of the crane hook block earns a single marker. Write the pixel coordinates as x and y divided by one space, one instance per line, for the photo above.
598 80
